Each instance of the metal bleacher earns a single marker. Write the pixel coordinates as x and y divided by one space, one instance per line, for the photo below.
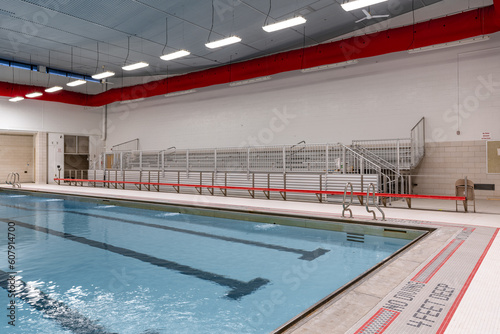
326 167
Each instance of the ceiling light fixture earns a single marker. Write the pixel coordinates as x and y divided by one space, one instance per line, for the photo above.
33 95
103 75
449 45
135 100
357 4
223 42
135 66
175 55
330 66
285 24
76 83
16 99
53 89
184 92
250 81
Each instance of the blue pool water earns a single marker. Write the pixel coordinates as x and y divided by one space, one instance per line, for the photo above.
91 268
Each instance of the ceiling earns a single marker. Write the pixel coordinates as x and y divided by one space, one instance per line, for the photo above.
83 36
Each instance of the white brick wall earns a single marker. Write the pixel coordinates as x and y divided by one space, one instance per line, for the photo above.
444 163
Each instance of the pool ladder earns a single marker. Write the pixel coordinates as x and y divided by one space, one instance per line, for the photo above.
370 187
13 179
345 206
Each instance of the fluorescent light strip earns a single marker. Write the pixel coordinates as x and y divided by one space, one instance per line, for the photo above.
135 66
130 101
451 44
53 89
223 42
76 83
285 24
249 81
175 55
357 4
184 92
16 99
330 66
33 95
103 75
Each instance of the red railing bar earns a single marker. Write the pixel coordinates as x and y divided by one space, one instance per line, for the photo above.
304 191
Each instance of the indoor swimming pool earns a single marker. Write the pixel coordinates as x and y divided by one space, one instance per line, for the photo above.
72 266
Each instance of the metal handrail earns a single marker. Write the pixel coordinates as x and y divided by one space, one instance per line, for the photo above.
417 142
359 156
7 181
13 179
380 140
346 207
292 154
386 164
372 186
18 184
126 142
418 123
374 166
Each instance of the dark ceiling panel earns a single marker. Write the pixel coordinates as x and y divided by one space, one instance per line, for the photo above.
135 30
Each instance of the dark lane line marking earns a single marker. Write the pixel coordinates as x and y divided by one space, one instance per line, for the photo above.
238 288
306 255
51 308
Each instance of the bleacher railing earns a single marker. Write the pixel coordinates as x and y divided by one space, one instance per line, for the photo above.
318 158
395 151
321 166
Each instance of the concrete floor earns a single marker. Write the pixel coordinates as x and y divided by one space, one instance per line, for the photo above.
464 252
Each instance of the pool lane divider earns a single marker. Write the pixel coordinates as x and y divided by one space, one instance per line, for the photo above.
305 255
238 290
51 308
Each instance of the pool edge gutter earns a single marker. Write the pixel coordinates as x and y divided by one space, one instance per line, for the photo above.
349 286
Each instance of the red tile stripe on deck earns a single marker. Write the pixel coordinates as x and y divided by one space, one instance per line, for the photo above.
379 322
425 275
454 307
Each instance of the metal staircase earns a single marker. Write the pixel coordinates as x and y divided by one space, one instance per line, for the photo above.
396 157
395 181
